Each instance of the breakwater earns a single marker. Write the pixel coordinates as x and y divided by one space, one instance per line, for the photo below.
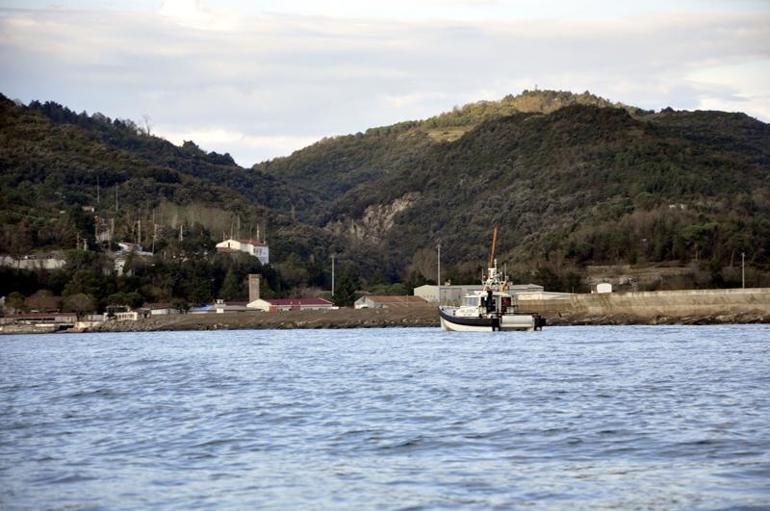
657 307
708 306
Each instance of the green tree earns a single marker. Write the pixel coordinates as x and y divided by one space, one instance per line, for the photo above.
548 278
345 292
80 304
230 286
81 221
181 305
132 299
15 302
135 299
43 300
87 282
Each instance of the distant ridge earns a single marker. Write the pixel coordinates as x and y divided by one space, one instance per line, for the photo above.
570 179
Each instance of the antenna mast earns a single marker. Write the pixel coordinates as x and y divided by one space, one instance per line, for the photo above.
494 247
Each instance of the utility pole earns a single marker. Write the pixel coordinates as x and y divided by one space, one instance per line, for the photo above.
116 199
332 275
743 270
154 231
438 276
139 232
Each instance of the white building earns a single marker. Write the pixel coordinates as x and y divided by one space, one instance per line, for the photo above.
455 293
127 316
252 247
159 309
604 287
386 302
46 261
220 307
121 256
290 304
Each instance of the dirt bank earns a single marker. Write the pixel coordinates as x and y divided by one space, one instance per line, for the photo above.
342 318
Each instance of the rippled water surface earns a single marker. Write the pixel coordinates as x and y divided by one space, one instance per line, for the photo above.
568 418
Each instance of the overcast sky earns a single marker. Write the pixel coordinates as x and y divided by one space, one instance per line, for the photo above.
260 79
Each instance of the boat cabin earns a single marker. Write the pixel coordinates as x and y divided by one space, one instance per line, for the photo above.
487 302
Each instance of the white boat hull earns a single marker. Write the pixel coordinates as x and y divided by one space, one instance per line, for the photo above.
506 322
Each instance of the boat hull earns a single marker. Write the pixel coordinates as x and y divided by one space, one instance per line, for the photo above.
506 322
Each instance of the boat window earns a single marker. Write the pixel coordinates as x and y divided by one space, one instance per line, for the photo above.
471 301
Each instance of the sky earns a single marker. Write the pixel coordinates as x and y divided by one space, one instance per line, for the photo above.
260 79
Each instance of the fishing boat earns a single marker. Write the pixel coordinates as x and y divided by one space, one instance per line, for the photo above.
490 308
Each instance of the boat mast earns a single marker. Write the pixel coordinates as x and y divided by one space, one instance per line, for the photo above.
494 247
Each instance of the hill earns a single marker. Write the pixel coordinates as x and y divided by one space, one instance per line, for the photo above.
335 165
71 180
573 181
55 160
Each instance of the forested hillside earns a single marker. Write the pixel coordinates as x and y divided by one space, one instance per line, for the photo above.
571 181
67 179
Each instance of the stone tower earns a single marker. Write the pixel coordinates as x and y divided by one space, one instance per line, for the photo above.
254 279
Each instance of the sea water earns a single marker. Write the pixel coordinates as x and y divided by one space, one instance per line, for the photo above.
642 417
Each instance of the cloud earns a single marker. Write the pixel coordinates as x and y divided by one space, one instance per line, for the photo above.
236 142
262 85
196 14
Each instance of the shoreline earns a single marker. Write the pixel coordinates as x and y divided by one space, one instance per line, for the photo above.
687 307
376 318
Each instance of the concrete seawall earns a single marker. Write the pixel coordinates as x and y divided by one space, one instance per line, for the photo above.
690 306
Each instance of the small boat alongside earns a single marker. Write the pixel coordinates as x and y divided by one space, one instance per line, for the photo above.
490 308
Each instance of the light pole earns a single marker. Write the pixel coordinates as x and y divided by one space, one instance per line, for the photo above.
743 270
332 275
438 276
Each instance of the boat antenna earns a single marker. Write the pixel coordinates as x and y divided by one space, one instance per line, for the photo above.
494 246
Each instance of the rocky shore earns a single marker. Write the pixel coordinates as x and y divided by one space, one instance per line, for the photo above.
341 318
405 317
694 307
628 319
